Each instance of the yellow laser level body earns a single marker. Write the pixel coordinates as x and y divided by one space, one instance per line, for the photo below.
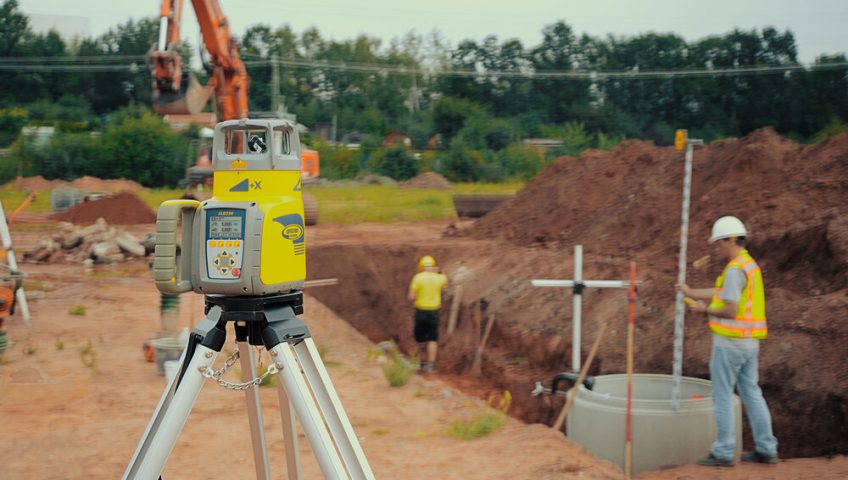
249 238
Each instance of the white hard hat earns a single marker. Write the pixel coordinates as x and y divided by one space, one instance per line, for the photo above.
727 227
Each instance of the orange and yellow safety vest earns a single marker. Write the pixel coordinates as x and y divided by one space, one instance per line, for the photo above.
750 321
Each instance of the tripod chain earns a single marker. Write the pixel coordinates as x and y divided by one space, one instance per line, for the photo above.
217 374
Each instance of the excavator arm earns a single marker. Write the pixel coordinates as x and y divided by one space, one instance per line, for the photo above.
178 92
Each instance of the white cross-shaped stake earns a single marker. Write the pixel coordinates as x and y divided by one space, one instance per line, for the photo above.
578 284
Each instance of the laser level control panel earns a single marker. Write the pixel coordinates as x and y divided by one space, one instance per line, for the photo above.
224 243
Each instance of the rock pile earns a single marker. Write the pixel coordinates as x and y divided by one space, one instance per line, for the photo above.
97 243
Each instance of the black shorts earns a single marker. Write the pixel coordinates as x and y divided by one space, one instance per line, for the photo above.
426 326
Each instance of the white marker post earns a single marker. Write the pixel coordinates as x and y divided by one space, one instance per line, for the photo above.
578 284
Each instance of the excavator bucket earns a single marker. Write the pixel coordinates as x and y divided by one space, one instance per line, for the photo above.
190 100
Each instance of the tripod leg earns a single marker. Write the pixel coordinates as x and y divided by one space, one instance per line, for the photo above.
254 412
334 413
307 412
170 417
289 434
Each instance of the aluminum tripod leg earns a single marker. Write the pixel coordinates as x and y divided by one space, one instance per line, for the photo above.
254 413
334 413
169 418
307 412
289 434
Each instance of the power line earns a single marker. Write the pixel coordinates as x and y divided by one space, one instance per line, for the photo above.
81 64
74 59
552 74
132 67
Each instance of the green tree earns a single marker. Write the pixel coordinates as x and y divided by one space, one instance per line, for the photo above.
14 25
142 149
450 115
398 164
463 163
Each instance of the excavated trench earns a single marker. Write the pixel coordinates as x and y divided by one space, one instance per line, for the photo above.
803 373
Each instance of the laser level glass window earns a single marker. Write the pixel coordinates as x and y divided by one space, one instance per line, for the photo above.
244 141
225 227
282 142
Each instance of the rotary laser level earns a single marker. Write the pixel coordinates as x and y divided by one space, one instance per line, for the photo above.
248 239
244 250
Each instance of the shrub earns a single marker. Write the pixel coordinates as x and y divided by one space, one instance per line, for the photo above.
484 422
11 122
397 372
398 164
142 149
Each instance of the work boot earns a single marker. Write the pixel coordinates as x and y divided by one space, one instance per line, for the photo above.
712 461
431 368
757 457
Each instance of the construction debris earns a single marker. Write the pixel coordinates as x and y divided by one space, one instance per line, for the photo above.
97 243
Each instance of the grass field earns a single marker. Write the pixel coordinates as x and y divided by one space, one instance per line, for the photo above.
348 204
12 198
390 204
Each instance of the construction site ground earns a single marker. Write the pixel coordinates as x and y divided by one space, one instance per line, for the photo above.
64 417
67 416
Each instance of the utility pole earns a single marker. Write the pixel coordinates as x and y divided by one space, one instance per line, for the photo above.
275 83
413 94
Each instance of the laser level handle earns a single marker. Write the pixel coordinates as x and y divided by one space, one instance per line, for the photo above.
172 270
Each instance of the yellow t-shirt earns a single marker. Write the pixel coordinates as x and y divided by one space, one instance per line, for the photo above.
427 287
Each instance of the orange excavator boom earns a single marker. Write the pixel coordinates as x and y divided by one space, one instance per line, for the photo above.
178 92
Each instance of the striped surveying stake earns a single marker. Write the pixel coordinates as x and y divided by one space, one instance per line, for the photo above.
679 307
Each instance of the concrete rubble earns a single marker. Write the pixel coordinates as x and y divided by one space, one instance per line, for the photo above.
96 243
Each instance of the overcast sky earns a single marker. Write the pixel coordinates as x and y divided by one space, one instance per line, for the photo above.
820 26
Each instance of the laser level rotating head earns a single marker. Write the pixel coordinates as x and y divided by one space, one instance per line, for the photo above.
249 238
728 227
426 261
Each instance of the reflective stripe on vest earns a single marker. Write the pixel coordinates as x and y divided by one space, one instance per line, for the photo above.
750 321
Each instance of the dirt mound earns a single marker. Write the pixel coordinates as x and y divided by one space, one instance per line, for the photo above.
122 209
93 184
88 184
627 201
427 180
36 184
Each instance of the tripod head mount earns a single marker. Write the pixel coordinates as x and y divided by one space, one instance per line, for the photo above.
248 239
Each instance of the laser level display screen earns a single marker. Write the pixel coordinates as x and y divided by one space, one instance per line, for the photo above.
225 227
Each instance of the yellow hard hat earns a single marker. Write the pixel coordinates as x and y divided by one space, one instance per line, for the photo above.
426 261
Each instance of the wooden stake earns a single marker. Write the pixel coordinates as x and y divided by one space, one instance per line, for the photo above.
476 367
573 392
631 322
454 311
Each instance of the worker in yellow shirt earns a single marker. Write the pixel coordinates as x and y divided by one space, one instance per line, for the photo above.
425 292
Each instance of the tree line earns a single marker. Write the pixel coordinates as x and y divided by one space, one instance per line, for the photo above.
467 107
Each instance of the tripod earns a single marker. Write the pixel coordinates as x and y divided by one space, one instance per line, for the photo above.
259 320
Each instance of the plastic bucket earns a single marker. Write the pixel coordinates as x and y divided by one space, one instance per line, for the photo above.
165 349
